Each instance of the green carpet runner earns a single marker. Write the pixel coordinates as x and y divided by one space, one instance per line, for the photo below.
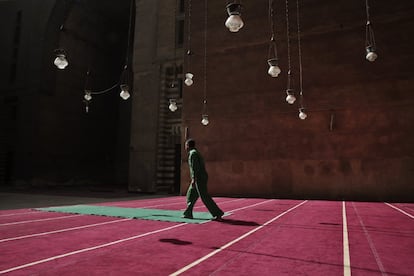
135 213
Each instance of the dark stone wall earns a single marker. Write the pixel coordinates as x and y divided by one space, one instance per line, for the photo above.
357 142
145 103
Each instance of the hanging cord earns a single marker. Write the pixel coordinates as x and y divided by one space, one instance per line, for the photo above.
272 44
87 79
125 74
88 72
65 15
67 7
87 85
106 90
129 32
288 46
271 22
175 46
299 51
369 35
189 53
205 56
367 9
369 32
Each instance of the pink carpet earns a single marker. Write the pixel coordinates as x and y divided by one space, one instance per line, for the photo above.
306 240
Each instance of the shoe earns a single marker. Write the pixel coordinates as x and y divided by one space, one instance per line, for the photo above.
218 218
187 216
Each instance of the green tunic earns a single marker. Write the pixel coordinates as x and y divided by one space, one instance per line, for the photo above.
197 167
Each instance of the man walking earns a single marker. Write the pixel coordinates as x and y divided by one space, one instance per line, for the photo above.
198 185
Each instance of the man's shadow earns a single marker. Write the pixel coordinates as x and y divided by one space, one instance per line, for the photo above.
239 222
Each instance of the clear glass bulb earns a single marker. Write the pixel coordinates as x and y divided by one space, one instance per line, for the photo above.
290 98
87 96
189 79
61 62
302 115
57 61
124 92
204 120
274 71
371 56
188 82
124 95
234 23
173 105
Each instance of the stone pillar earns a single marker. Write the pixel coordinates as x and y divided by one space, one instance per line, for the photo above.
145 100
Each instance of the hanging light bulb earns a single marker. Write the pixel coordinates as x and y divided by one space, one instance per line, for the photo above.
204 119
124 92
60 61
274 69
88 95
173 105
302 114
290 98
189 79
234 22
371 54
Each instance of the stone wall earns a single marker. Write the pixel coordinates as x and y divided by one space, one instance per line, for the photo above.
154 47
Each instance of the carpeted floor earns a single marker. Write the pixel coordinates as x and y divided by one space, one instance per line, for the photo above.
259 237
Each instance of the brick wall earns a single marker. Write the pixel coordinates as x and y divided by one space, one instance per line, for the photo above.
357 140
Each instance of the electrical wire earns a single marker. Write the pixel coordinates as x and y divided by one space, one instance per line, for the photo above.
106 90
129 32
289 79
189 53
124 74
272 44
205 55
299 52
369 32
367 9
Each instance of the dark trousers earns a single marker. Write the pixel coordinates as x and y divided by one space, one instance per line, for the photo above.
197 190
